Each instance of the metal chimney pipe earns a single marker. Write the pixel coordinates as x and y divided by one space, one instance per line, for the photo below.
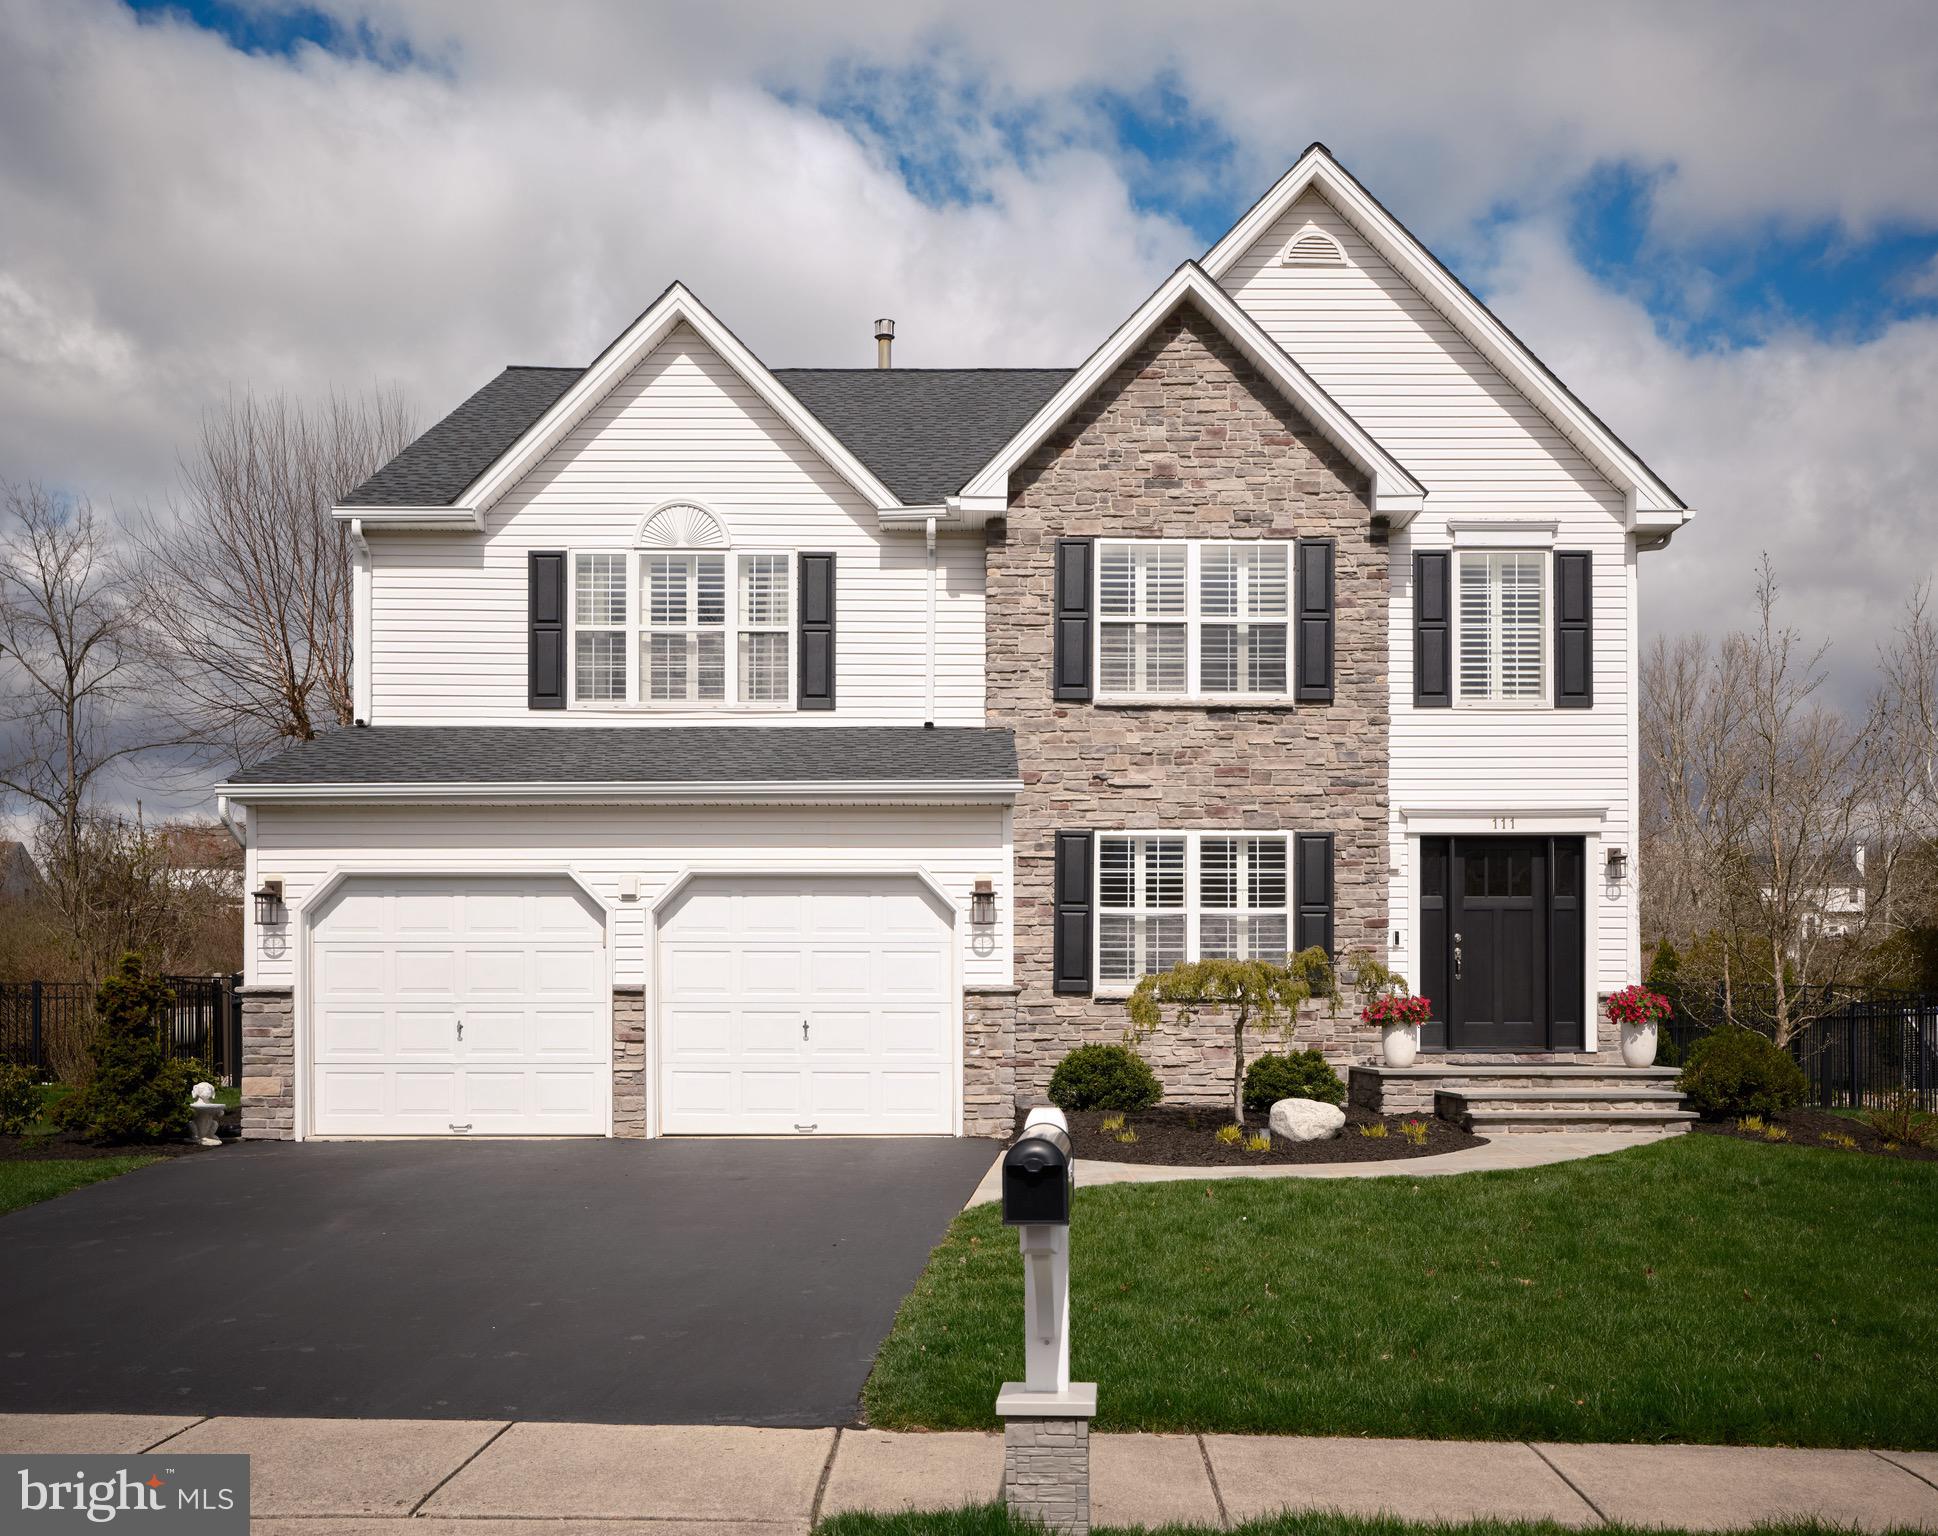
884 343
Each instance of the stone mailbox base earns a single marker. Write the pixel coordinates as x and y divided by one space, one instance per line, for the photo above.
1046 1455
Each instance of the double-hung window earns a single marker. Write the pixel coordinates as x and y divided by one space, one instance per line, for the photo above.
1500 617
704 629
1166 897
1183 618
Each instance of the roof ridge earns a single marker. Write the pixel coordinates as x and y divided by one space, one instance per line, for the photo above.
966 368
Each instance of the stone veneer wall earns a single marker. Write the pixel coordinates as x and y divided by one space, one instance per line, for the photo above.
1187 440
268 1064
988 1061
629 1062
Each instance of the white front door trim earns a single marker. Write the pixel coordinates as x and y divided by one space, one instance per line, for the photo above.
461 868
1513 821
767 867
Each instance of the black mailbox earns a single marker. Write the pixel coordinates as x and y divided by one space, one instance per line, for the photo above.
1039 1176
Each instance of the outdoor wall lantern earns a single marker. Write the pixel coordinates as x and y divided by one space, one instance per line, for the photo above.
269 903
982 904
1617 866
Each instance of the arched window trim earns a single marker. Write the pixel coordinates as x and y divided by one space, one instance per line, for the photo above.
681 524
1322 249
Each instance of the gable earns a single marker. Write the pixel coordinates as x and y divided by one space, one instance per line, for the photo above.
1319 191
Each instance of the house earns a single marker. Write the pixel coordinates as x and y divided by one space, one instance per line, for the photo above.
751 750
20 878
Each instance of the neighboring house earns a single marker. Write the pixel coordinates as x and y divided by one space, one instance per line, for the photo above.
19 875
756 750
201 856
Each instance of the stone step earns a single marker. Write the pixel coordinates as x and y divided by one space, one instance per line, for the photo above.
1497 1122
1655 1096
1453 1067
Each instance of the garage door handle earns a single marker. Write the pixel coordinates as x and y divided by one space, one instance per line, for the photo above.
460 1029
804 1024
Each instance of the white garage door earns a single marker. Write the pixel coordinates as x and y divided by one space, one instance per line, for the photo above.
447 1006
825 1006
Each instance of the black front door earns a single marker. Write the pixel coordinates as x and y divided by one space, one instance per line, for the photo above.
1501 942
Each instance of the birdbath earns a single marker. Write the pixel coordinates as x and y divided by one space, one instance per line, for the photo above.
206 1112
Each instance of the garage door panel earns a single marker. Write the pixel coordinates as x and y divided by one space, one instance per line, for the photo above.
400 962
914 1032
867 962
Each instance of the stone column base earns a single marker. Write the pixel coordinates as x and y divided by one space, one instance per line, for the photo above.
629 1062
268 1064
1046 1472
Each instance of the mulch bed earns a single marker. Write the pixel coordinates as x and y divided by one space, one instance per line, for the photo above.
1186 1135
64 1146
1811 1127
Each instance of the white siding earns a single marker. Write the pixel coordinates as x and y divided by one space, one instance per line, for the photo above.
448 611
606 845
1482 451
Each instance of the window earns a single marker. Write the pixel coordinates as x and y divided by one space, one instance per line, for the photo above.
1166 897
1184 618
707 629
1500 613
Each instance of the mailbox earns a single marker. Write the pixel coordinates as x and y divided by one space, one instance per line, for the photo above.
1039 1177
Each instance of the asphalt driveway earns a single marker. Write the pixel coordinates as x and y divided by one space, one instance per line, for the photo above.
694 1282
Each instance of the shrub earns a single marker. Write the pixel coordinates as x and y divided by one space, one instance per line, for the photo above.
1291 1075
1259 1142
1104 1077
19 1098
1374 1131
1738 1072
1414 1131
1901 1120
1231 1135
134 1093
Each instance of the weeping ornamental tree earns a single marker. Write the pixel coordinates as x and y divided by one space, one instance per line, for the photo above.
1252 994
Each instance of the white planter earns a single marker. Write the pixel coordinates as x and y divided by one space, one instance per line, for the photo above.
1638 1045
1400 1043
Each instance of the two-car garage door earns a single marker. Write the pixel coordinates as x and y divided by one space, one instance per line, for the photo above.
482 1005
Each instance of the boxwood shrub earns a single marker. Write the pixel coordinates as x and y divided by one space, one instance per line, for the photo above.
1291 1075
1104 1077
1739 1072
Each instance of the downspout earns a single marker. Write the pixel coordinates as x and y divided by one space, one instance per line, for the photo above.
929 717
229 821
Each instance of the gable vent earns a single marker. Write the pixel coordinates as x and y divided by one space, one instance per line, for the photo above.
1313 247
681 525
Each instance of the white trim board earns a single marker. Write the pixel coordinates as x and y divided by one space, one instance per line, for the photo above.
1653 508
748 792
1395 493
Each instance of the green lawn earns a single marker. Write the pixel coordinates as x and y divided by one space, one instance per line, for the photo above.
1700 1289
993 1520
22 1183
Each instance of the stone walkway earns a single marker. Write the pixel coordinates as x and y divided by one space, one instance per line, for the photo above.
375 1477
1524 1151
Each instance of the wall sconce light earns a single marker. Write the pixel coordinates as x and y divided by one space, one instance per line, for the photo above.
1617 866
1382 528
269 903
982 904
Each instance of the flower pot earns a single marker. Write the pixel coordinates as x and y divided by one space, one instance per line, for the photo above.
1400 1043
1638 1045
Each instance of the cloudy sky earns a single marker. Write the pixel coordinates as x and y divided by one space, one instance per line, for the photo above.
1717 222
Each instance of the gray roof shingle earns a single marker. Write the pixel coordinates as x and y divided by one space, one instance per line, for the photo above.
434 469
923 431
645 754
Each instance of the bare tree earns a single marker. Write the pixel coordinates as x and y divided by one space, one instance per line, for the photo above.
246 578
1758 797
73 697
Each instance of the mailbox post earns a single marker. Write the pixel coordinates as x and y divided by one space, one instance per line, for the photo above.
1046 1416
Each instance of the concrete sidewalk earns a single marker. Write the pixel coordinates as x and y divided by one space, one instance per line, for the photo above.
466 1477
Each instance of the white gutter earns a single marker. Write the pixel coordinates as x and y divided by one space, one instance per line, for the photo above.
235 829
929 714
774 792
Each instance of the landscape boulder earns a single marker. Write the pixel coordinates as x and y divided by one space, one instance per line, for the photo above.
1307 1120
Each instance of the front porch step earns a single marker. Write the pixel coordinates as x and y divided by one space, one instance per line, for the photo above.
1508 1122
1646 1097
1453 1066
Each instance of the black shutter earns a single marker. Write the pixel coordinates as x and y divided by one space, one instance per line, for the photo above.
816 690
1312 891
545 610
1070 613
1314 615
1574 629
1071 944
1432 631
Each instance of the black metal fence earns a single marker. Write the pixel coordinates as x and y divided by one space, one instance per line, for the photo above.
1860 1054
46 1024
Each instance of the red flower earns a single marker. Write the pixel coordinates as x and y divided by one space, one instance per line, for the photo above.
1397 1008
1637 1005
